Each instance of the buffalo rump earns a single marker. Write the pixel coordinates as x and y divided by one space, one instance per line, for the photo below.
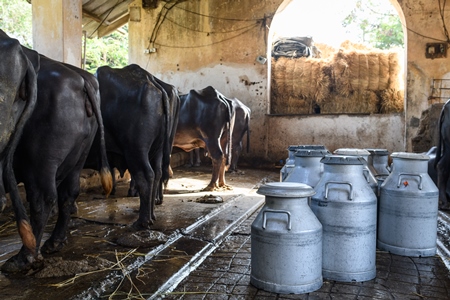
51 153
140 114
18 93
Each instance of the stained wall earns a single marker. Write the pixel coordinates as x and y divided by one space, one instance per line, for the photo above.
194 43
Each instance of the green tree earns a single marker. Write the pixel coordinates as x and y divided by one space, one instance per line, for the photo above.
111 50
378 24
15 20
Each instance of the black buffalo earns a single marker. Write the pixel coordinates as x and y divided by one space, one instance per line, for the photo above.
442 160
52 151
18 94
140 114
206 121
241 127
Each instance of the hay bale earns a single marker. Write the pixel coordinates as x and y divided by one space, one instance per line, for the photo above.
363 82
303 79
321 79
348 45
341 74
298 105
356 80
289 76
394 71
374 70
391 101
383 76
280 72
326 51
365 102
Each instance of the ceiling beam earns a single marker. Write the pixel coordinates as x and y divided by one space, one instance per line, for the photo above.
94 17
105 30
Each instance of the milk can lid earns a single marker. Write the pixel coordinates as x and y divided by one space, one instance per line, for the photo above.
334 159
351 151
378 151
312 152
286 189
408 155
297 147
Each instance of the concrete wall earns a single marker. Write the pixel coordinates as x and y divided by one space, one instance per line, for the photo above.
216 42
57 29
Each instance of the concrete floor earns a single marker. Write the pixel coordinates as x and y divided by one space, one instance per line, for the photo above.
195 251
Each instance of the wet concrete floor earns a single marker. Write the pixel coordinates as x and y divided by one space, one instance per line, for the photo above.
105 257
195 250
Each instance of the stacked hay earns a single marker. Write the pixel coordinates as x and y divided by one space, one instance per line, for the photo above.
326 51
296 84
354 79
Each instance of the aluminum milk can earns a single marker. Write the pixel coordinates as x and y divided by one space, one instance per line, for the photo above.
290 161
378 162
286 241
370 178
308 169
408 209
347 208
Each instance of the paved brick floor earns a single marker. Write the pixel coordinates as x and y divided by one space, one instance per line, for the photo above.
225 274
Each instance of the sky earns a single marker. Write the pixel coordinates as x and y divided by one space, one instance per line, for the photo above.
321 19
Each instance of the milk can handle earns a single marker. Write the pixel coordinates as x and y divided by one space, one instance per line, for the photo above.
279 212
366 176
350 195
409 174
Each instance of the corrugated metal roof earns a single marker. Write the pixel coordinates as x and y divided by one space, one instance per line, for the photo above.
101 17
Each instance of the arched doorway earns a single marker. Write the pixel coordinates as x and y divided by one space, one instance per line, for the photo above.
347 72
349 111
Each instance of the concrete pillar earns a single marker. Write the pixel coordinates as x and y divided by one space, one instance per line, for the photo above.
57 29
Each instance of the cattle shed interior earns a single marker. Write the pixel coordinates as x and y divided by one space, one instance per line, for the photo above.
366 98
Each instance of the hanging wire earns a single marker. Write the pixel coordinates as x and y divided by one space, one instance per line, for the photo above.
209 32
210 44
106 17
220 18
162 16
442 12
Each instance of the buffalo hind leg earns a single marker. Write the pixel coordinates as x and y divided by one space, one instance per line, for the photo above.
143 176
156 163
132 191
213 184
222 183
68 191
41 198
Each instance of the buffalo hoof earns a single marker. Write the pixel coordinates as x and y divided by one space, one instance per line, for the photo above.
132 193
211 188
2 203
73 208
21 263
142 225
51 246
444 207
226 187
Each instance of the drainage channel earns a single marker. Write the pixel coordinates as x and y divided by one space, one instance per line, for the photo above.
443 240
205 234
